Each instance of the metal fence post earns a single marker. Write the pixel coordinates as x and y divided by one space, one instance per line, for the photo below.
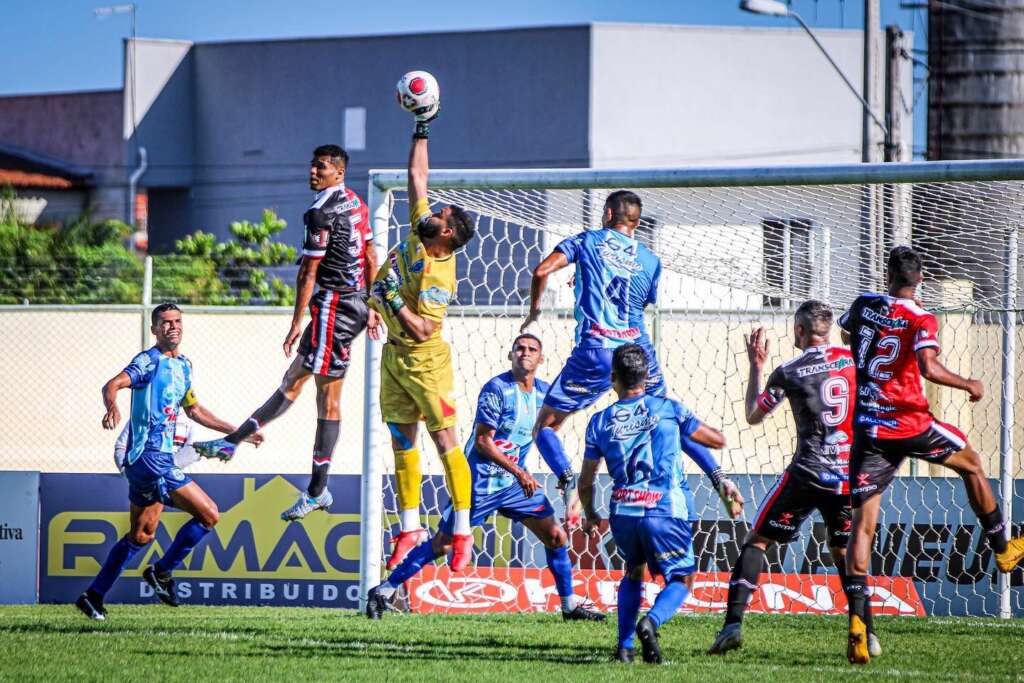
1006 412
147 299
371 505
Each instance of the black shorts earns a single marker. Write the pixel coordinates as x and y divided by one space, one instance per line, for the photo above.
874 462
792 500
337 319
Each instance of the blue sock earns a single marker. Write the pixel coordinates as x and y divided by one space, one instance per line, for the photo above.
668 602
118 557
561 568
419 556
630 593
182 545
551 449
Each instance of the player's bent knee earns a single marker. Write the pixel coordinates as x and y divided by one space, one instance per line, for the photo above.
556 537
141 536
635 573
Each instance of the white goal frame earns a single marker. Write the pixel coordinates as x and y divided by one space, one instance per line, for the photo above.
383 182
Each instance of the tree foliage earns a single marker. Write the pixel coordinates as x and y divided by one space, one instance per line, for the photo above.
86 261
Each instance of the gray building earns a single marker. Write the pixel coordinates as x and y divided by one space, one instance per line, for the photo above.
228 127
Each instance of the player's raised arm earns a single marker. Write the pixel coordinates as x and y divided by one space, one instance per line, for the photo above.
111 414
757 354
555 261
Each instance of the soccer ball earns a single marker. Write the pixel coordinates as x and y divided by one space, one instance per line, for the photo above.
418 93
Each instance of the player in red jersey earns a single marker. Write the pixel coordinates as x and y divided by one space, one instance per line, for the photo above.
339 260
820 384
894 343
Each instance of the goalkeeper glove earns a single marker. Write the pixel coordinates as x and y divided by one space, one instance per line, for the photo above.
386 291
727 492
423 116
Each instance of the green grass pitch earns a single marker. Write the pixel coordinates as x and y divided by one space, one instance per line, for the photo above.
153 642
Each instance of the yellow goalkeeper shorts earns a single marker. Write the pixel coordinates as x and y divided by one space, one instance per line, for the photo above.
416 384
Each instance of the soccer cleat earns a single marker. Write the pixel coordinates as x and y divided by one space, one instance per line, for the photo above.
462 551
404 542
857 644
376 603
729 638
307 504
625 655
1007 560
91 607
217 448
647 632
163 587
583 612
874 645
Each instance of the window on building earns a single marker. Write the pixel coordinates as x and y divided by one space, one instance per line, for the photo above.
788 260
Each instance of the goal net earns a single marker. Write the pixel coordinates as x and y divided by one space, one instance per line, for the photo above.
740 248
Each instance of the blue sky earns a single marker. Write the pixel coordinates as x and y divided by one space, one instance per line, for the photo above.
59 45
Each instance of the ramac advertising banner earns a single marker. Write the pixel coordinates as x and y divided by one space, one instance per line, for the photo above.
19 536
252 557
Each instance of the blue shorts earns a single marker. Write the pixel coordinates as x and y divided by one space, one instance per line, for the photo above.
664 544
509 502
587 376
153 477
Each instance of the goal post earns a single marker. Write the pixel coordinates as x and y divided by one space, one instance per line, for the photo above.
740 247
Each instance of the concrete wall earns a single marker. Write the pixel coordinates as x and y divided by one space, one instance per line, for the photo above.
511 98
688 95
83 128
52 422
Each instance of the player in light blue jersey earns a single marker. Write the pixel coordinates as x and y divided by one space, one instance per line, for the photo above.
616 278
651 508
503 436
161 380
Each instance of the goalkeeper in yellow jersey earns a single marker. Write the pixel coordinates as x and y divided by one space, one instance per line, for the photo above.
412 291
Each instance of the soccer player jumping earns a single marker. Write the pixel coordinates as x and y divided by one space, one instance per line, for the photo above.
616 277
819 384
338 257
412 292
503 436
651 511
161 380
894 343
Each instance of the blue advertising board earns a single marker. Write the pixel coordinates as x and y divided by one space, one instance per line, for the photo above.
19 536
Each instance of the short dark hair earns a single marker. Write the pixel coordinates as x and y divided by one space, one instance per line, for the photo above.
815 316
622 203
528 335
629 363
162 308
462 226
904 266
339 157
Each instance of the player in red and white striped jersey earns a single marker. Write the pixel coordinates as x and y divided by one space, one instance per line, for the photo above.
895 343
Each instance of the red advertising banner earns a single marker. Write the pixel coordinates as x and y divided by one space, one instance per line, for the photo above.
502 589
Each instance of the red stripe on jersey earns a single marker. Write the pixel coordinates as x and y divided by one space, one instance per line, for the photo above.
770 500
328 350
314 313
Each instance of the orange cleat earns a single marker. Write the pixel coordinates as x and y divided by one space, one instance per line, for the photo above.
462 552
403 543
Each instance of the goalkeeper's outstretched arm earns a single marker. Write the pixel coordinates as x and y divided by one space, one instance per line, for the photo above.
419 168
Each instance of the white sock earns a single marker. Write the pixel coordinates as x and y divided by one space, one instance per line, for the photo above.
568 602
386 589
411 519
462 522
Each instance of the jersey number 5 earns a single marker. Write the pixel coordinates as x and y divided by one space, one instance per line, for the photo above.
835 393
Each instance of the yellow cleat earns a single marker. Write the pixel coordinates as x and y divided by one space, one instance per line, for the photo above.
857 646
1007 560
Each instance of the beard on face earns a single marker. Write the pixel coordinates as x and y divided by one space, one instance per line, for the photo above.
429 229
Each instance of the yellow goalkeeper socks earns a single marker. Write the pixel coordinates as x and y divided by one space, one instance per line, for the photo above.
409 475
460 487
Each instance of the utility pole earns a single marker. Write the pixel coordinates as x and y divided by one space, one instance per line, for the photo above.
872 41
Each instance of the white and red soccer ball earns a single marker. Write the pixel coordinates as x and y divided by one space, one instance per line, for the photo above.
418 93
